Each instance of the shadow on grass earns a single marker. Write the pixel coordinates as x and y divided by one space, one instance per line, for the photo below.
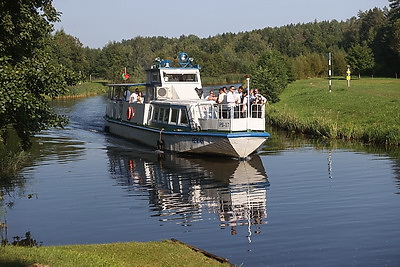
15 263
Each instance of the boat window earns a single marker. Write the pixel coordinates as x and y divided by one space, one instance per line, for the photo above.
174 116
184 119
166 115
178 77
156 111
155 77
161 114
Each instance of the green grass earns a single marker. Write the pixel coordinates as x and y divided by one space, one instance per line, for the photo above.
369 110
86 89
165 253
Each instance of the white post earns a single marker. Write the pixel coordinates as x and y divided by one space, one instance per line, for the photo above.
248 102
330 71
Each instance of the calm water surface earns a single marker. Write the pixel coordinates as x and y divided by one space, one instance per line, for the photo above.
294 204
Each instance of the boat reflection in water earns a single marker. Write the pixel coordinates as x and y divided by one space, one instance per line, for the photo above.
186 189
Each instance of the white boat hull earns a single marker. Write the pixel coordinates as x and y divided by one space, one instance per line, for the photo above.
238 145
174 100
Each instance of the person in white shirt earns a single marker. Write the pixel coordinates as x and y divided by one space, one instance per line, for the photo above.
134 96
222 99
232 101
211 96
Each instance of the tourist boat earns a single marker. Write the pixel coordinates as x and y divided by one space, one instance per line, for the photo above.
174 115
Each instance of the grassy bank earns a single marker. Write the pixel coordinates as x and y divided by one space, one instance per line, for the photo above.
86 89
165 253
368 111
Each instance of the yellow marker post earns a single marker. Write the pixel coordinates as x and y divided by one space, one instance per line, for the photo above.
348 76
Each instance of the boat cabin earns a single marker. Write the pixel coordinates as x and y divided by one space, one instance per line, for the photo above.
174 101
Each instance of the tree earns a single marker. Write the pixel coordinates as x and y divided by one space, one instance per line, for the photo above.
271 75
395 9
114 58
28 72
360 58
394 31
69 52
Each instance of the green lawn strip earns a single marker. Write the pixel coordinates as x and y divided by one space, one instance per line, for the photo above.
86 89
164 253
369 110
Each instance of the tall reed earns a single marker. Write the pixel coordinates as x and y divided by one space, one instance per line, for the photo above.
10 162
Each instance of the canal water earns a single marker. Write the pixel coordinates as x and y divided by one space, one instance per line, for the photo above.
298 202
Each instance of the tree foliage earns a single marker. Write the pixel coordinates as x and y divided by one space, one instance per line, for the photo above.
28 71
271 75
69 53
360 58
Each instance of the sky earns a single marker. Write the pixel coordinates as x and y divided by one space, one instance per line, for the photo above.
97 22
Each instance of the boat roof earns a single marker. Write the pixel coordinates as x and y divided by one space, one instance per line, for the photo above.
127 84
174 68
182 101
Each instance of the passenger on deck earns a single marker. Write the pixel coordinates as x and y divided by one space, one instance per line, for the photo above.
127 94
240 91
259 98
244 102
221 97
140 98
211 96
222 109
232 102
259 101
133 97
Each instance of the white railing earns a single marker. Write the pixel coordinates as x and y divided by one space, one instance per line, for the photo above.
226 111
225 117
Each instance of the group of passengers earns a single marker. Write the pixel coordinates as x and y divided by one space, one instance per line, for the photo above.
135 97
235 102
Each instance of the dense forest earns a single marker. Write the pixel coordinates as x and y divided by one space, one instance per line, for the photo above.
369 43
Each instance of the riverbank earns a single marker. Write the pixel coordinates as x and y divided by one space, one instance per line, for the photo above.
86 89
368 111
163 253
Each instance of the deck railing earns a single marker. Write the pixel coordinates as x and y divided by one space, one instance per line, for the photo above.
219 117
237 111
225 117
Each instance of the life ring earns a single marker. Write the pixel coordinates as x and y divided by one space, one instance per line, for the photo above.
130 112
